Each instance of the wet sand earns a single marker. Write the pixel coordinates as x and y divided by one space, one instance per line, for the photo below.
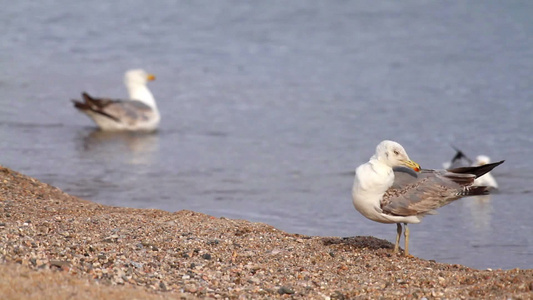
53 245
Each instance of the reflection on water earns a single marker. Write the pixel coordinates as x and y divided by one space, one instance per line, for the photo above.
130 147
480 209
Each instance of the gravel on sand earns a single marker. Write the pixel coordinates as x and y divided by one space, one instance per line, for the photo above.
53 245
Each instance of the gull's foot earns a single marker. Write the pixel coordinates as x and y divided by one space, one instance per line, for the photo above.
398 252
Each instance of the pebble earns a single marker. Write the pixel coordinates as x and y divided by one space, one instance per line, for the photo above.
111 239
285 290
254 280
191 288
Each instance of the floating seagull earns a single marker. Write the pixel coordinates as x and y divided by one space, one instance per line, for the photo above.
139 113
487 179
391 188
461 160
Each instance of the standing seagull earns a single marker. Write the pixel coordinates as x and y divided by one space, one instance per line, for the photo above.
139 113
385 191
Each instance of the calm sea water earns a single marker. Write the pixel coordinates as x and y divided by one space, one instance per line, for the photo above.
268 106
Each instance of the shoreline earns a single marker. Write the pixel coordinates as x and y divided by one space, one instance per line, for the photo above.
53 245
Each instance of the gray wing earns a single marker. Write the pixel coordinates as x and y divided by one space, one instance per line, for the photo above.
419 193
129 111
122 111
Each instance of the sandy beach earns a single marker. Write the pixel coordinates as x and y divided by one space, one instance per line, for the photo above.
53 245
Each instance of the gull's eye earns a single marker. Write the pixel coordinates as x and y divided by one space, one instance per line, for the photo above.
396 152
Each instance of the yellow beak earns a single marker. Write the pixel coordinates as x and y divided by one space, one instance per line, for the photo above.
411 164
150 77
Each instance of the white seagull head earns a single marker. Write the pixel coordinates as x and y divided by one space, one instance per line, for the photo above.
137 77
393 155
482 160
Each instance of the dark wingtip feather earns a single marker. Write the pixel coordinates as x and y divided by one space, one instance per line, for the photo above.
475 191
459 154
478 171
78 104
94 105
86 97
82 104
464 179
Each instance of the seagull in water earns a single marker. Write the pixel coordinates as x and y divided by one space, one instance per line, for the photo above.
487 179
391 188
138 113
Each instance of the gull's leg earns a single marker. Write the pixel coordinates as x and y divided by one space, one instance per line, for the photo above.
398 234
406 240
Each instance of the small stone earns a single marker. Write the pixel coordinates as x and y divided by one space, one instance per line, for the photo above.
59 263
275 251
111 239
285 290
40 263
206 256
119 280
338 296
191 288
254 280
